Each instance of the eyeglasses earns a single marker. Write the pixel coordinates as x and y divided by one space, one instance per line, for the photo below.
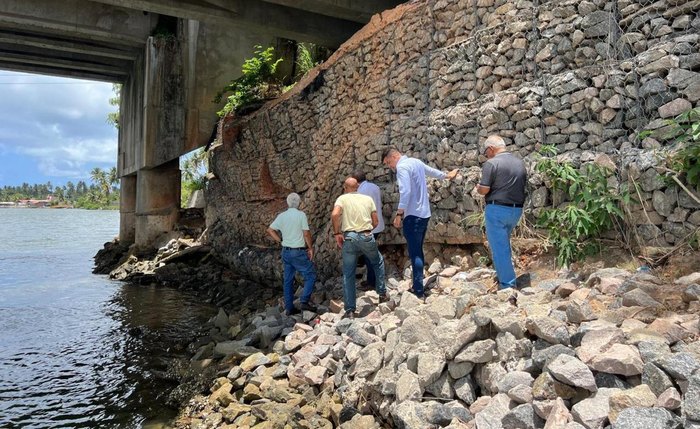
487 149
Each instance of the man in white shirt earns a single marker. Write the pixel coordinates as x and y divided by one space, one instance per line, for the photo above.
297 252
414 206
371 190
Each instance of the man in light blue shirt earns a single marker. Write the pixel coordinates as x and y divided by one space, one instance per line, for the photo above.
370 189
297 252
414 206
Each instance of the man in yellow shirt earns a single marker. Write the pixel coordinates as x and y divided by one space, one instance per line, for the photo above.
354 217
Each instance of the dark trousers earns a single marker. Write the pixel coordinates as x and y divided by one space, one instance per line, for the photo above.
414 229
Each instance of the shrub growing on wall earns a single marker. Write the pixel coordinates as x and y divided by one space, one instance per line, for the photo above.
255 84
593 207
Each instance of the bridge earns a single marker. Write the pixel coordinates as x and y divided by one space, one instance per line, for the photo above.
171 58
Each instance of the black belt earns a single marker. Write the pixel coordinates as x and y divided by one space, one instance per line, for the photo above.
293 248
501 203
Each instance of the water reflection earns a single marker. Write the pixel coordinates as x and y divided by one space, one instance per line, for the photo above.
98 370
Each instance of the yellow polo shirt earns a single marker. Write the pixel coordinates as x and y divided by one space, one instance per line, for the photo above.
357 212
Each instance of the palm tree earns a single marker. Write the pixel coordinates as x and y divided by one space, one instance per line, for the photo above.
100 178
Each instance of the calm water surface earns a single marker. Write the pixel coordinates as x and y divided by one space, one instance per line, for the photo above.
79 350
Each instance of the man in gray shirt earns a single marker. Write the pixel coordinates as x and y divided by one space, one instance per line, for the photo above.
503 179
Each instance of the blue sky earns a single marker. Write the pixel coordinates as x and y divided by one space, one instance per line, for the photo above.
53 129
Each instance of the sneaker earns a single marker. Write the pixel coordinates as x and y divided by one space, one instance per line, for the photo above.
305 306
350 314
292 312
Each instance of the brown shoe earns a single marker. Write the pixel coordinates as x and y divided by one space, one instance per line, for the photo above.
364 286
383 298
350 314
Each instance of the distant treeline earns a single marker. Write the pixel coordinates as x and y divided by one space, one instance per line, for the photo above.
102 192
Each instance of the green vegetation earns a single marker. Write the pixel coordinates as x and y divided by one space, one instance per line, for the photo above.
308 57
593 207
684 161
113 117
255 85
193 168
102 193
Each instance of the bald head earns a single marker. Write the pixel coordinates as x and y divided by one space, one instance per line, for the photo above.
350 185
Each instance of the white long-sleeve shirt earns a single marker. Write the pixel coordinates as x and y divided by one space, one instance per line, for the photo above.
372 190
413 190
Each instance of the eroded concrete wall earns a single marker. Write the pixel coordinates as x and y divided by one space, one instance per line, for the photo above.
436 77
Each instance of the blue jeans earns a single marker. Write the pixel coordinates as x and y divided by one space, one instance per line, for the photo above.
371 277
500 221
297 260
414 229
355 245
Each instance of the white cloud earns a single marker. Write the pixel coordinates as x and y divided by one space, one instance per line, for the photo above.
59 122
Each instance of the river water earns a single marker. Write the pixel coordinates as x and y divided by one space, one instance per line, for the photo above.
79 350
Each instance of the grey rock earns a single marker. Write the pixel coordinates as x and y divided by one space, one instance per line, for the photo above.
597 24
691 402
408 387
639 298
477 352
680 366
459 370
416 329
657 380
370 360
465 389
442 387
514 378
491 416
647 418
573 372
549 329
592 412
522 417
692 293
543 356
430 367
603 379
653 351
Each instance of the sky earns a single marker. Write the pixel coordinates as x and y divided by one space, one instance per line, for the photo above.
53 129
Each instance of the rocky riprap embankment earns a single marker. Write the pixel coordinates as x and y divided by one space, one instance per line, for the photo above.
612 349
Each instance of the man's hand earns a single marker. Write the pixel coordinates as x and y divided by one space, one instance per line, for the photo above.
397 221
339 240
310 252
452 174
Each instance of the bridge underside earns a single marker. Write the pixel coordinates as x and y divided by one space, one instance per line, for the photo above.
171 58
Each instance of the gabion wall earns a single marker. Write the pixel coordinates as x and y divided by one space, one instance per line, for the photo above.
434 78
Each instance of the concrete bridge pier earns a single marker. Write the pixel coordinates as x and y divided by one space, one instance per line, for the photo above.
157 202
127 209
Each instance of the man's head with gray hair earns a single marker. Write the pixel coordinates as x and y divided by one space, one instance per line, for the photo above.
496 144
494 141
293 200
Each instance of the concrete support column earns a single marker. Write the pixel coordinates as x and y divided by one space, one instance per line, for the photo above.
127 210
157 202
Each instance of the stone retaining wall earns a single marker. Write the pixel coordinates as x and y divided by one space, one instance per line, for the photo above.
436 77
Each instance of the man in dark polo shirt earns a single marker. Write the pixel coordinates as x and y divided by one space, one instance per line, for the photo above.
503 179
